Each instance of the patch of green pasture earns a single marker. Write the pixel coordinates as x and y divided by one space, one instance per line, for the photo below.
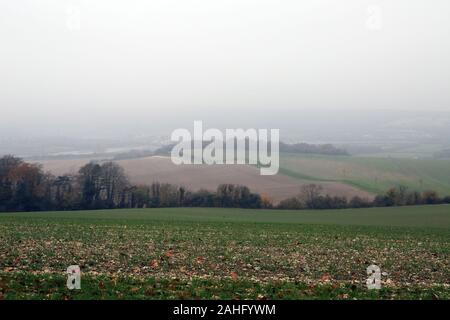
370 173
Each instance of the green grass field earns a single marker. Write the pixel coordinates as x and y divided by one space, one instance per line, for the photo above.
370 174
191 253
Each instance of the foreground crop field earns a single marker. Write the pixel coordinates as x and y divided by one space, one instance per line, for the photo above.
226 253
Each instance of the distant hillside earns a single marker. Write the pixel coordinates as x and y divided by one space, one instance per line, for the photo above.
443 154
325 149
303 148
369 173
160 168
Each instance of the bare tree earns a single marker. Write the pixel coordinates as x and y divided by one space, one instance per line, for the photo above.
309 194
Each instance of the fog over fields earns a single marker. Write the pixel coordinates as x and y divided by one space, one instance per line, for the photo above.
81 76
83 81
234 150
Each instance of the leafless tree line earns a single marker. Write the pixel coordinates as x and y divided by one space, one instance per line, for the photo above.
25 187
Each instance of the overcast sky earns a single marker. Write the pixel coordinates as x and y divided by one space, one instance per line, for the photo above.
69 65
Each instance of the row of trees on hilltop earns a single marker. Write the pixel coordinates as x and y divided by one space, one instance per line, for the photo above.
25 187
169 195
311 197
306 148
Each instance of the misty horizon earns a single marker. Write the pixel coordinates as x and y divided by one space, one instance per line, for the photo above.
151 68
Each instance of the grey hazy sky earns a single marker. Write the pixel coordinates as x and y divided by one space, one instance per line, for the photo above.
69 64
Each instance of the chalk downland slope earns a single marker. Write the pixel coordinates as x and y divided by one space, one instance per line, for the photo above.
194 177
